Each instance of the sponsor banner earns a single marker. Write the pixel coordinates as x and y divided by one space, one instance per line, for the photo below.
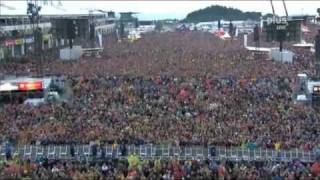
29 40
46 37
19 41
9 42
28 86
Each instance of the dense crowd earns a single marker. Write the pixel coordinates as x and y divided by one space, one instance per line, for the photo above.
171 88
133 168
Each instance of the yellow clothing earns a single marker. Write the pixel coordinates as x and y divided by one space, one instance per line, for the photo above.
243 145
114 146
133 161
277 146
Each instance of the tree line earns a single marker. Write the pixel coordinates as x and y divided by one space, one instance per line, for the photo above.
215 13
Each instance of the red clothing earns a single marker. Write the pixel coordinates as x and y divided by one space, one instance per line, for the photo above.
132 174
183 93
208 84
177 173
315 169
221 171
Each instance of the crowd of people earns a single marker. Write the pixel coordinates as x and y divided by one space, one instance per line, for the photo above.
170 88
134 168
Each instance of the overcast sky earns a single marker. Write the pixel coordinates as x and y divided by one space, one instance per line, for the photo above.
163 9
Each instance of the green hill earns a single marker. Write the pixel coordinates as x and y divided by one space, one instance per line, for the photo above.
214 13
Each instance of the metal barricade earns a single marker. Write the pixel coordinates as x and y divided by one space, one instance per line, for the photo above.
40 151
257 154
199 152
263 153
165 151
118 152
63 152
2 152
109 151
251 155
187 152
86 149
76 151
27 152
153 151
246 154
300 155
269 154
176 151
51 152
286 155
234 154
148 149
296 154
135 150
130 150
223 153
312 156
16 151
143 151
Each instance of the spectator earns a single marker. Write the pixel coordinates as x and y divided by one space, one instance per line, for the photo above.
172 88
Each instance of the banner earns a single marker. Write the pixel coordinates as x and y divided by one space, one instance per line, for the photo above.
28 86
29 40
46 37
10 42
19 41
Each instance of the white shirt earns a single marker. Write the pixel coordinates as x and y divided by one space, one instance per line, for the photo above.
55 169
104 168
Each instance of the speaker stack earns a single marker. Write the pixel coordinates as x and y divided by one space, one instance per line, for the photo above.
281 28
256 35
92 31
71 31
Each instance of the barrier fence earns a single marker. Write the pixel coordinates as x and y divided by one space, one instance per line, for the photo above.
82 152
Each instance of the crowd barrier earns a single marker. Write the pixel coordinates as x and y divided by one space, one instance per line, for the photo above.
34 152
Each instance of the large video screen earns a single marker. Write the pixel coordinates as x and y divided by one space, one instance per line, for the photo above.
316 90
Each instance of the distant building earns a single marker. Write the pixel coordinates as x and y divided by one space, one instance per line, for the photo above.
16 31
242 26
146 26
304 18
100 23
111 14
16 35
128 21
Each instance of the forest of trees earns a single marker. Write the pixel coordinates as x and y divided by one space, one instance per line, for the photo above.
214 13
